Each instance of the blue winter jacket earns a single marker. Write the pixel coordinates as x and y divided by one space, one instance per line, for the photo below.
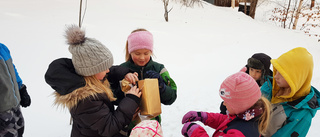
9 81
292 112
297 116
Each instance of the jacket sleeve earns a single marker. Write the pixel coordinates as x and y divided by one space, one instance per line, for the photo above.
116 74
170 94
199 132
98 116
295 126
19 81
8 56
215 119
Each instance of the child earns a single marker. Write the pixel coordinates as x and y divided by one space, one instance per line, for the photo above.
139 49
258 67
247 116
81 86
13 93
147 128
294 101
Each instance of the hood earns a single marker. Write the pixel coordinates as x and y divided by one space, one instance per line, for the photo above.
62 77
69 86
72 99
296 66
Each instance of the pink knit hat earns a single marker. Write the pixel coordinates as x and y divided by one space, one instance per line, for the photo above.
147 128
140 40
240 92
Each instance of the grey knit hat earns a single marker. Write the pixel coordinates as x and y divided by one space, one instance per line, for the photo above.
89 56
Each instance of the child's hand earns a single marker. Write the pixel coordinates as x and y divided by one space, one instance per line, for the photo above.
135 91
194 116
132 77
188 129
153 74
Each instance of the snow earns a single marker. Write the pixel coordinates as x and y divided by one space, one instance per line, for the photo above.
199 46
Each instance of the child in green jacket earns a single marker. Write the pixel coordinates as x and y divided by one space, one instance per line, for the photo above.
139 49
294 101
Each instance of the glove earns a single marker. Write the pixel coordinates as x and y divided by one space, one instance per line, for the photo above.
153 74
25 98
195 116
188 129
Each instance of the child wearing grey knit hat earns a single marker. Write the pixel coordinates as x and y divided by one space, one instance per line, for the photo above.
82 85
89 56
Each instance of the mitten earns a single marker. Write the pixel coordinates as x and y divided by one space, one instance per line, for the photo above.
195 116
25 98
244 69
188 129
153 74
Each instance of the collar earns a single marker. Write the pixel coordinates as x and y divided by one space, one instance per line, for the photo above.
250 114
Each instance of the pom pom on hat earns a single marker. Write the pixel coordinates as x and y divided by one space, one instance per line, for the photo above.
140 40
240 91
89 56
147 128
75 35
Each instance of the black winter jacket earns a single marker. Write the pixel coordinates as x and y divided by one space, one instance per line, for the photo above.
92 112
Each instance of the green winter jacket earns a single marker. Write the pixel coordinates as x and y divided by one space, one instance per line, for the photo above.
170 94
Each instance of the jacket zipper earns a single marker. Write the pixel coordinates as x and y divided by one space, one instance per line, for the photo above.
141 72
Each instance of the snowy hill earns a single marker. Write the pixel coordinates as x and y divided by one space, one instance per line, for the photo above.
199 46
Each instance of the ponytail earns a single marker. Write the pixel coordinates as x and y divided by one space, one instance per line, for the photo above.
265 117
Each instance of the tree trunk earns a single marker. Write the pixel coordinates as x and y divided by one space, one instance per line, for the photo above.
245 7
286 15
166 12
297 15
253 5
312 4
233 3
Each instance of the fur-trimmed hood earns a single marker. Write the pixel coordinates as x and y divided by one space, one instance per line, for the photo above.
72 99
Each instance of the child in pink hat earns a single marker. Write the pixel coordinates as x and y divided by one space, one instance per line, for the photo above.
247 115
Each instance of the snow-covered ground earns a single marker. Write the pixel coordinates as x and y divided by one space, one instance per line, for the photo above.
199 46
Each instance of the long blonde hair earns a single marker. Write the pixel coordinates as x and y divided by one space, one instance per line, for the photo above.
128 57
265 117
94 83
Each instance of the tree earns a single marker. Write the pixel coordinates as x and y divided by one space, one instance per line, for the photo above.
253 5
297 15
166 12
187 3
312 4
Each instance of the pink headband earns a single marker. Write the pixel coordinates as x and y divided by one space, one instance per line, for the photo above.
140 40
